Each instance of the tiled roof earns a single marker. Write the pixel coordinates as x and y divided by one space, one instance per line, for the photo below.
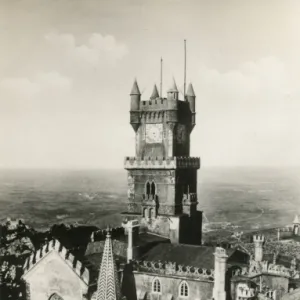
188 255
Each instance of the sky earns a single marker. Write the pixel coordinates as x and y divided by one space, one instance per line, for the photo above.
67 68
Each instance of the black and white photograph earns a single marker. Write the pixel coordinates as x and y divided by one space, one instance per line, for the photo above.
149 150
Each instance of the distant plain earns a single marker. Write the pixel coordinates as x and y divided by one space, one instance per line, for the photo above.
250 198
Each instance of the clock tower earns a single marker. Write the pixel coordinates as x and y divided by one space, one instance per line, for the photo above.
162 177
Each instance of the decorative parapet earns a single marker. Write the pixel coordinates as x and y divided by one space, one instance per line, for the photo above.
258 268
245 293
55 245
285 229
162 163
172 269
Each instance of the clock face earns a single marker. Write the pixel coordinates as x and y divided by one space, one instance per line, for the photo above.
181 133
154 133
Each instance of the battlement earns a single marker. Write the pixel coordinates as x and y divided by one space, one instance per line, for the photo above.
171 268
245 293
258 238
55 245
286 229
154 104
264 267
162 163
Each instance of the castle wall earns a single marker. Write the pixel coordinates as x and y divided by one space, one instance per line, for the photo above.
170 285
52 275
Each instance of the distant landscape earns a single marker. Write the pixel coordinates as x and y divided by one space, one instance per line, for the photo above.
242 198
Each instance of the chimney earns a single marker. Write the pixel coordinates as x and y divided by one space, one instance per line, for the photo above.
219 292
258 241
132 230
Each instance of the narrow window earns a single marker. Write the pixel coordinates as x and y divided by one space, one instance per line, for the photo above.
184 289
156 286
148 189
152 189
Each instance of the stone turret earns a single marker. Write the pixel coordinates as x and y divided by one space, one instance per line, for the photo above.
135 96
108 286
258 241
191 98
219 292
173 93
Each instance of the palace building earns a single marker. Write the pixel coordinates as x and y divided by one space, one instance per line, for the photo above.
157 252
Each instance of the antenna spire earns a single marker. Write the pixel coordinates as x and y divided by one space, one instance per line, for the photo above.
184 89
161 76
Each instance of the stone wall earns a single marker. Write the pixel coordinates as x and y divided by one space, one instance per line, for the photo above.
170 285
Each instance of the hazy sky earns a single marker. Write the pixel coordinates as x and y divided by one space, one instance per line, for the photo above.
67 68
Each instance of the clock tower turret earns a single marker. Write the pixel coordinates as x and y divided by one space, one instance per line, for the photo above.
162 177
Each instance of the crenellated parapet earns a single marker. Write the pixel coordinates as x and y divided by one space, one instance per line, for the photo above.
259 268
258 238
162 163
174 269
245 293
69 258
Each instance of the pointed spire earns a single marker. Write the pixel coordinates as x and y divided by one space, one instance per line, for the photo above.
190 91
296 220
108 282
173 88
135 89
155 93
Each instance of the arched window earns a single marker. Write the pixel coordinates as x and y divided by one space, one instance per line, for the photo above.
183 289
148 188
55 297
145 212
152 189
156 286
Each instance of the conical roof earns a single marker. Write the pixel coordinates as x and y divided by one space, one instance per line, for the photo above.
135 89
190 91
296 220
108 282
155 93
173 87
